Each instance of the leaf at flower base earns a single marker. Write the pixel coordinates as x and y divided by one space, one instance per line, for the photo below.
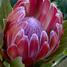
65 52
1 38
46 65
6 64
5 8
42 64
17 63
1 58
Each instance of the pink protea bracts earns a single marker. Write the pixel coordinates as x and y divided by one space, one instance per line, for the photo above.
33 30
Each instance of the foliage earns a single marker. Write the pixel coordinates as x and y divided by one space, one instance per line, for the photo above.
5 9
17 63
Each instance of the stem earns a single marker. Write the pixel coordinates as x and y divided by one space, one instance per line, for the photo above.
58 60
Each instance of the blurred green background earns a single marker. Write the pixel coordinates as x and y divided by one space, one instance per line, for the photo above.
62 5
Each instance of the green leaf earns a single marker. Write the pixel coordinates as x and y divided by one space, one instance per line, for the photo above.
46 65
6 64
1 39
5 9
17 63
65 52
1 58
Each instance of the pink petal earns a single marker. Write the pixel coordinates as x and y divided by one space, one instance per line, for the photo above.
53 20
33 5
59 30
43 51
34 46
50 18
43 37
30 6
15 14
44 7
23 47
12 34
59 16
52 24
49 15
19 36
53 40
14 29
57 45
12 52
15 17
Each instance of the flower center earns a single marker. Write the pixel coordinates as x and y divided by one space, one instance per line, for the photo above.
32 26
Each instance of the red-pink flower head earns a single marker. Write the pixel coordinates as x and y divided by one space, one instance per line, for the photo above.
33 30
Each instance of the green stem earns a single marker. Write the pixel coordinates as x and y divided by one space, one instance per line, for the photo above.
58 60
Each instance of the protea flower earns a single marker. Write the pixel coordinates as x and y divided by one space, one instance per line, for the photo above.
33 30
